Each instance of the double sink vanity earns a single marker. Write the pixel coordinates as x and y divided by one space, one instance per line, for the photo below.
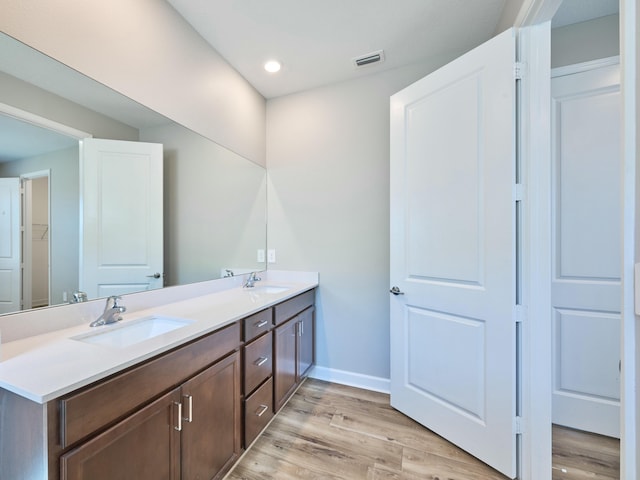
178 389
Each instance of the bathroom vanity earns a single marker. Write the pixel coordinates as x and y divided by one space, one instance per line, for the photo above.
183 403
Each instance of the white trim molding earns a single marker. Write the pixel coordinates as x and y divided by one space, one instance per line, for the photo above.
534 50
352 379
42 122
584 66
630 402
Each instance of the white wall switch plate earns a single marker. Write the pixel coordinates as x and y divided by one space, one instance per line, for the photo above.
271 255
261 255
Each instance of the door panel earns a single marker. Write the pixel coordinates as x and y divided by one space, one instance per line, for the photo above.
453 252
586 255
284 353
306 353
211 436
124 451
122 240
9 245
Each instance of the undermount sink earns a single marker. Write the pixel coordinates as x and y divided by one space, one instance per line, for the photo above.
130 333
271 289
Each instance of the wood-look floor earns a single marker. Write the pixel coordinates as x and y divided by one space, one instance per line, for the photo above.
331 431
579 455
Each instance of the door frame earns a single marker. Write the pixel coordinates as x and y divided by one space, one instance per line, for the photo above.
535 48
27 237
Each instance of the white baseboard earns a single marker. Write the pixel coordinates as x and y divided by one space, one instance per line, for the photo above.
368 382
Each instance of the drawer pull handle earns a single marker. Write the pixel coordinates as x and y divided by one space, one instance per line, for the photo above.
189 416
261 361
261 324
263 408
179 426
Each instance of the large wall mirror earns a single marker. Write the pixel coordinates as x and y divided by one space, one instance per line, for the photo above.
214 201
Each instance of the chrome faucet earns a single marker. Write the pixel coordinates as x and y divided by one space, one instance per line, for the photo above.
251 281
111 312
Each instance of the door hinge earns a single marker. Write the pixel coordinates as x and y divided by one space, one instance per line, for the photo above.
518 192
518 426
518 70
520 313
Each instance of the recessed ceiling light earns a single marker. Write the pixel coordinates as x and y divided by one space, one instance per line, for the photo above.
272 66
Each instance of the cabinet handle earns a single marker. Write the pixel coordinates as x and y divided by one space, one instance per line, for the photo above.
261 324
261 361
189 415
263 408
179 406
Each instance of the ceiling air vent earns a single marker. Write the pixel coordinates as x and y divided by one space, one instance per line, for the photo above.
368 59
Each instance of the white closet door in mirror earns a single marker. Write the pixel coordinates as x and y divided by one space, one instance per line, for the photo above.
121 213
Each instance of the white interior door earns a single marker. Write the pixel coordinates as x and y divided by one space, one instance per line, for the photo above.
586 250
121 242
9 245
453 252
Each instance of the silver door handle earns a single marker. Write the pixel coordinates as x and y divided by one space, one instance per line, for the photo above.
155 275
396 291
261 361
179 407
189 416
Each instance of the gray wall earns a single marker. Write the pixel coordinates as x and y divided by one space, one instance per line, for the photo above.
29 98
146 51
214 207
585 41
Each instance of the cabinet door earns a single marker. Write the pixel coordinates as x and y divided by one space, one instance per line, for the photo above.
305 342
145 446
211 434
285 361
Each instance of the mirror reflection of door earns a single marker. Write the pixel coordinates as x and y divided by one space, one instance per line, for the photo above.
9 244
121 197
35 240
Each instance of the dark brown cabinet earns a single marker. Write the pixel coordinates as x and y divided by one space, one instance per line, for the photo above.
258 371
184 414
286 338
145 445
293 345
306 352
194 429
211 432
192 432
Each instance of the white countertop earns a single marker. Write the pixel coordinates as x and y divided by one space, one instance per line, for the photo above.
47 366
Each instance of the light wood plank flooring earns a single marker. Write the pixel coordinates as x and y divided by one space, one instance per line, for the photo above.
331 431
580 455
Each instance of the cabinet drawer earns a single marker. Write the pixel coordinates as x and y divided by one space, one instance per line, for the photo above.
90 409
257 324
258 410
293 306
258 361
